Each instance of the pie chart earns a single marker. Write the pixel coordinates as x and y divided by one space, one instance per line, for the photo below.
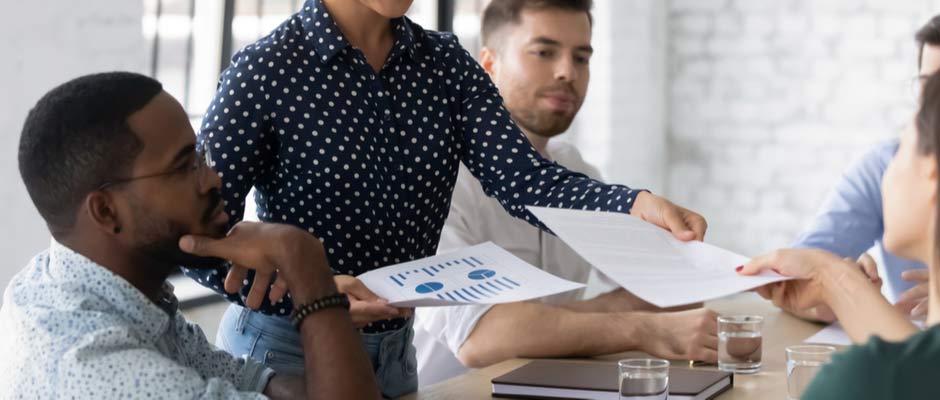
429 287
481 274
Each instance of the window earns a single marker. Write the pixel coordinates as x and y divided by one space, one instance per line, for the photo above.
191 41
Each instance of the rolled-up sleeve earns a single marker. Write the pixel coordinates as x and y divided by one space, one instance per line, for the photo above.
245 373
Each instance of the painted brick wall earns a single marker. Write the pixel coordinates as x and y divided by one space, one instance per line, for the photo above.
47 43
769 100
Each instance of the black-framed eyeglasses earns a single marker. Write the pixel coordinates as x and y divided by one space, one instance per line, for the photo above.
201 162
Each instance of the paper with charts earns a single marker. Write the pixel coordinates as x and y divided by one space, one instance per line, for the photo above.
647 260
482 274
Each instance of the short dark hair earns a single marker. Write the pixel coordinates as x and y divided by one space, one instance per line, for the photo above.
500 13
77 137
928 34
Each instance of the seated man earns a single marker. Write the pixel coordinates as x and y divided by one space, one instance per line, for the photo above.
110 162
851 222
537 53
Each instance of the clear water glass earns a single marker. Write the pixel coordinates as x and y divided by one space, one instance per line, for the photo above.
644 379
740 343
803 363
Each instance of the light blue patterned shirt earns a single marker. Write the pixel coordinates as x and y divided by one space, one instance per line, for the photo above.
851 222
70 328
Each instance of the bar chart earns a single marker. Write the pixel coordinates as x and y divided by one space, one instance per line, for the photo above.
482 274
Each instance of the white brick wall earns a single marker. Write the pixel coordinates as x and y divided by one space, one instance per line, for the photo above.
47 43
621 126
769 100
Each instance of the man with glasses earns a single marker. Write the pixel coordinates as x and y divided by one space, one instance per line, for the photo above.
111 163
850 222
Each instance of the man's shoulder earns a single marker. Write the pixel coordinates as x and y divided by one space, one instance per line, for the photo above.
569 156
879 154
50 345
884 150
42 310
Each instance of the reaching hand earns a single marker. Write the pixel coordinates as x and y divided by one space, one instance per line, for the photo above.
805 292
685 225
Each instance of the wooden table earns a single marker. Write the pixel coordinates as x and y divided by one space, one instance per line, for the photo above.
780 330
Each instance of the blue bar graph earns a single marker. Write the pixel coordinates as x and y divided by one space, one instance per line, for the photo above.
470 294
464 280
488 290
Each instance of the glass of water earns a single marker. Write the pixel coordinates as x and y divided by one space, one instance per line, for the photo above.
740 343
644 379
803 362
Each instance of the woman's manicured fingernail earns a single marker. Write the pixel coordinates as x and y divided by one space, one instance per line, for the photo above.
739 268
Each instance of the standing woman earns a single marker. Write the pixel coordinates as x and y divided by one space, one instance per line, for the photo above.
350 121
896 361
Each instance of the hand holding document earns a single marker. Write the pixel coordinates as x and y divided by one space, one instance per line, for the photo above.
647 260
482 274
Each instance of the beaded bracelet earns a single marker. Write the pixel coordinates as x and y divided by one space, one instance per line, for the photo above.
301 312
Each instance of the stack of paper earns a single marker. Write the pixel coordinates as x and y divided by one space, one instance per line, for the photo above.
482 274
647 260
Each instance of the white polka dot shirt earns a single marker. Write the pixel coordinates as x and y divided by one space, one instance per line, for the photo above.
73 329
367 161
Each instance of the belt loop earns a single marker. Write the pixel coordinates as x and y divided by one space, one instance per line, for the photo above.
243 314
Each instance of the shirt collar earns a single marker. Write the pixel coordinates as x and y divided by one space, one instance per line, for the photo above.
404 38
328 40
110 293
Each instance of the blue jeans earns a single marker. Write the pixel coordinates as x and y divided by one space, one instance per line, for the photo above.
274 341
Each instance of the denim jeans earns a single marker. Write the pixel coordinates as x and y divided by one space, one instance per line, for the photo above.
274 341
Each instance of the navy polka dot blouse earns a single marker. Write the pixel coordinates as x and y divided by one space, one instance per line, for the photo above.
367 161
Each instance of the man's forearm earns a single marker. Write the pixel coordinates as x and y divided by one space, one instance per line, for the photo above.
619 300
335 364
286 387
613 301
541 330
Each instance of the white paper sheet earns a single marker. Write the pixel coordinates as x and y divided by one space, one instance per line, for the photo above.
832 334
482 274
648 261
835 334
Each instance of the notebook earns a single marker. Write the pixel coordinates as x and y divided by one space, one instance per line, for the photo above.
572 379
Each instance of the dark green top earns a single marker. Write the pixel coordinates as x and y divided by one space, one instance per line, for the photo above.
883 370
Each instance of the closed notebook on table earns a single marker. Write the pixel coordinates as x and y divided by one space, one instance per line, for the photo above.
569 379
